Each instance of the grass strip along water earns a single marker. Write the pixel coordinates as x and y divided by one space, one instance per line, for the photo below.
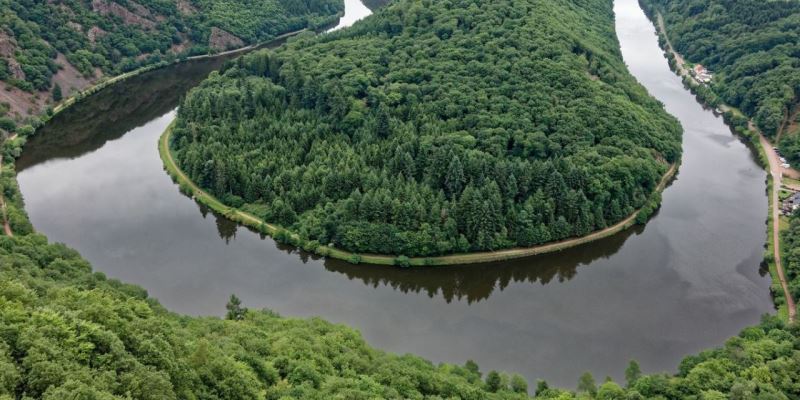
767 159
282 235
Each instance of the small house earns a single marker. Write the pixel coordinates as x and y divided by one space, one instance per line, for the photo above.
791 203
701 74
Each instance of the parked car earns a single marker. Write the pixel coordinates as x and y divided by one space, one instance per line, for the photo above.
785 165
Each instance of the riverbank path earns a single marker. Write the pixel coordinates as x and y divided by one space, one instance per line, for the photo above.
775 169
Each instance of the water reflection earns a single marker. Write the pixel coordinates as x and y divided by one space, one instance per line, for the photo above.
686 281
474 283
119 109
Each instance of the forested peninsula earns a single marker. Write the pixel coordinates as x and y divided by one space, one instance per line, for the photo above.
69 332
752 48
435 128
51 49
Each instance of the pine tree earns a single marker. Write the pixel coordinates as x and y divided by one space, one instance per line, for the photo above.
632 373
57 95
586 384
493 382
235 310
454 180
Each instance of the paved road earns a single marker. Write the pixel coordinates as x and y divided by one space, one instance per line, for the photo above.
775 170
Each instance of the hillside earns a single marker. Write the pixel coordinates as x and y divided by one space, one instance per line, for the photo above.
66 332
51 49
752 48
434 128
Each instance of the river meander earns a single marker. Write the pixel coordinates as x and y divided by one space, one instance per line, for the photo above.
686 281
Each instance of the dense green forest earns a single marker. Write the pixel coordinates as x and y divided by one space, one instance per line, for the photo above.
433 128
116 36
66 332
751 46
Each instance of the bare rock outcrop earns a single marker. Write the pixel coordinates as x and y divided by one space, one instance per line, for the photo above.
95 33
106 7
221 40
7 47
185 7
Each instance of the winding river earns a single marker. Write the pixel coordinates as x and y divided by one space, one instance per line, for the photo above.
686 281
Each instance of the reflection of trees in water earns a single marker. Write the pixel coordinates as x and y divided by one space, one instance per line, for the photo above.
226 228
118 109
114 111
474 283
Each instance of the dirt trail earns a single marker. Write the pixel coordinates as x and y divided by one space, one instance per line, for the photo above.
678 57
777 176
775 170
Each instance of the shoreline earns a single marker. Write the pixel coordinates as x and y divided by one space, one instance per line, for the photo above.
762 147
280 234
90 90
76 98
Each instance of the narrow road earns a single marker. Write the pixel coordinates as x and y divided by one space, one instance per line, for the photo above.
775 170
777 176
678 57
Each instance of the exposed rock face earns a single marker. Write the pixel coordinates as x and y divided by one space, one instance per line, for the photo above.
7 47
76 26
221 40
139 17
95 33
185 7
68 77
22 103
139 9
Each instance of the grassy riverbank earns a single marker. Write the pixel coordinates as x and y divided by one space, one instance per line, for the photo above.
104 83
744 127
284 236
13 204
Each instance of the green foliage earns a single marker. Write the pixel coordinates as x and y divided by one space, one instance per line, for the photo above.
752 46
125 35
429 129
632 373
66 332
7 124
235 310
586 384
791 256
57 95
402 261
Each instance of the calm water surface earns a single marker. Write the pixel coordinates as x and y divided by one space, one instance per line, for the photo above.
686 281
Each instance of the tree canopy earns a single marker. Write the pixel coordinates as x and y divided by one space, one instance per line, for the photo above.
751 46
68 332
117 36
434 127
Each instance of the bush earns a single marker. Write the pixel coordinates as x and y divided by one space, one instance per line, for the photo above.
402 261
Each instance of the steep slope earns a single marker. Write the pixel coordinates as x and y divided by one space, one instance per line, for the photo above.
752 47
66 332
435 128
49 49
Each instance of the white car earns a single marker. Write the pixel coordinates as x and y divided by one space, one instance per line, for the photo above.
785 165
